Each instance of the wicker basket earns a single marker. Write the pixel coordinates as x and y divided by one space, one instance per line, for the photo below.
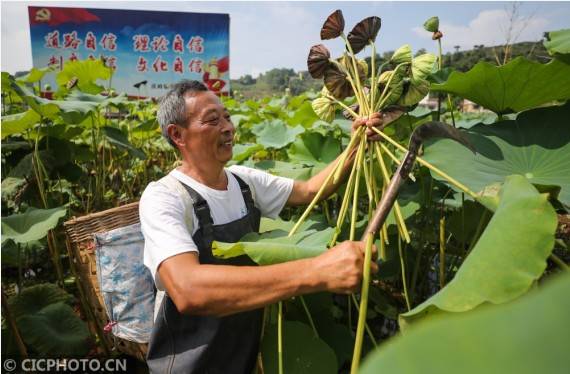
80 245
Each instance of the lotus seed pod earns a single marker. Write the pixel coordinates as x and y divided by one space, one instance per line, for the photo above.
432 24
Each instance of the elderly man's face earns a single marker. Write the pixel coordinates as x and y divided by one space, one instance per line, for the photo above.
210 133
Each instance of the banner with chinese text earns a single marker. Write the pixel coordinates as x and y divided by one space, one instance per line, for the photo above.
148 50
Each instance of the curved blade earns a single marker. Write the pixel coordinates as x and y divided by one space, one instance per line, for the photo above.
436 129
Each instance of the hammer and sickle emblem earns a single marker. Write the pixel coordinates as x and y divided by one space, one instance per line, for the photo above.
43 15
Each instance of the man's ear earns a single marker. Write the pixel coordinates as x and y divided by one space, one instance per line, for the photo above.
175 133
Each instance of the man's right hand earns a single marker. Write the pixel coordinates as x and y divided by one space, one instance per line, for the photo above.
340 268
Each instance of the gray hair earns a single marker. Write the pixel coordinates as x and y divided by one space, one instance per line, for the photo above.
172 107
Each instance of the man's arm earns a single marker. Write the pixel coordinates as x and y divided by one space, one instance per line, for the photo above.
224 289
305 191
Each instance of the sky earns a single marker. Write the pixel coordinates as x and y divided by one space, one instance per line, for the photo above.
266 35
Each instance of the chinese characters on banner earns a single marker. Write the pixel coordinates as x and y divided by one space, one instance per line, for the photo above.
158 48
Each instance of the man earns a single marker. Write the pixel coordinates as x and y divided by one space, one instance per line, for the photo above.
210 319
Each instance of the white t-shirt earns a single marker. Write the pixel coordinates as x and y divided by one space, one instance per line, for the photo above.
163 213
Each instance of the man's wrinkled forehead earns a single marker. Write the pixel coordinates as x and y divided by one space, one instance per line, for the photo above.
200 103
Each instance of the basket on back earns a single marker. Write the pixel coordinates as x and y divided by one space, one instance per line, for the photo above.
81 246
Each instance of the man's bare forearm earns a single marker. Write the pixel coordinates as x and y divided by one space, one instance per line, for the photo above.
222 290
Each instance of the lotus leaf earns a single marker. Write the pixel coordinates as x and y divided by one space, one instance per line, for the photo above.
34 224
497 339
536 145
507 260
519 85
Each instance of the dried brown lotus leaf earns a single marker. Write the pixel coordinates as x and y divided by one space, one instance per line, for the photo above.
337 83
333 26
346 61
363 33
324 108
318 60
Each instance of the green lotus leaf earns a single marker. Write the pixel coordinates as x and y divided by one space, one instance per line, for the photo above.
276 134
536 145
558 42
314 149
35 75
34 224
244 151
19 123
287 169
414 93
276 246
496 339
120 140
432 24
87 73
324 108
507 260
422 67
303 352
519 85
396 88
402 55
47 323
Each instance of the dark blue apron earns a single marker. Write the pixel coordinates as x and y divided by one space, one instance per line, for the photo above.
184 343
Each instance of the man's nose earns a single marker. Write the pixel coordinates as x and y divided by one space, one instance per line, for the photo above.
228 126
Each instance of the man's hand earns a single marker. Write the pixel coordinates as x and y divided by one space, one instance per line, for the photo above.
340 268
375 120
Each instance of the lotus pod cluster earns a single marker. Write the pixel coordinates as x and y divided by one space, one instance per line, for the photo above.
349 76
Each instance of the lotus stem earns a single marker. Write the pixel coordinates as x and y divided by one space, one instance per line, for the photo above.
355 192
442 252
383 97
364 103
397 212
404 282
382 245
363 305
349 78
280 337
344 205
343 105
372 78
317 196
433 168
395 159
366 327
309 316
561 264
355 137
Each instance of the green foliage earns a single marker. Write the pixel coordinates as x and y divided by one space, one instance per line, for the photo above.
47 323
527 336
519 85
535 145
303 353
558 42
32 225
508 258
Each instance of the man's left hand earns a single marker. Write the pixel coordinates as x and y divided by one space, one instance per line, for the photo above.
375 120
